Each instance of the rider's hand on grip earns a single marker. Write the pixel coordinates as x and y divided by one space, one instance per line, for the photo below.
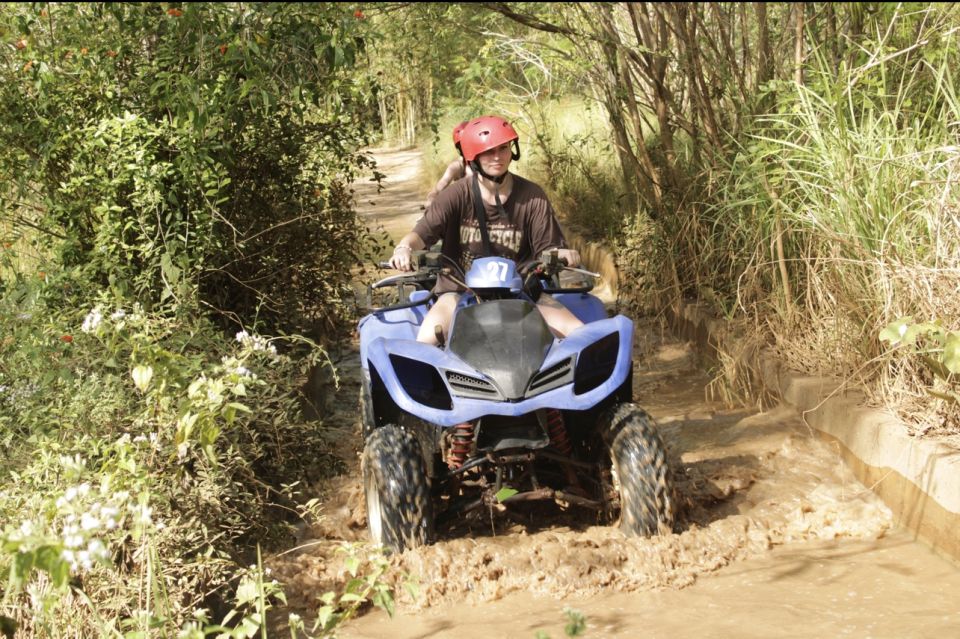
402 258
569 257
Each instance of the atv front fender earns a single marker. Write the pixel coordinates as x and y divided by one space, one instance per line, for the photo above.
431 398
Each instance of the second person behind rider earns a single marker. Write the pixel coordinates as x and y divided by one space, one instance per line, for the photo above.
520 223
456 170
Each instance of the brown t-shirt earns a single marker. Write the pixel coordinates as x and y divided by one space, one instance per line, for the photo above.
529 228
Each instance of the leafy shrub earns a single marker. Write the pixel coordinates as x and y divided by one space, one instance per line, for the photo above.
144 453
166 152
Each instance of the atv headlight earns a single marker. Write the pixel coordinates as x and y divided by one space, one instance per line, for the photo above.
422 382
596 363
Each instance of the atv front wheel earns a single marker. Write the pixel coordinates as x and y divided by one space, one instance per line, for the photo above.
399 510
639 471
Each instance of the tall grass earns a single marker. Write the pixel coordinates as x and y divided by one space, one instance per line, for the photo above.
570 153
839 215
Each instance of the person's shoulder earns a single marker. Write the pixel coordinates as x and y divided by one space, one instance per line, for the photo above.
455 167
452 195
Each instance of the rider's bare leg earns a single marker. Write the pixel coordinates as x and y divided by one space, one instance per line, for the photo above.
440 314
557 316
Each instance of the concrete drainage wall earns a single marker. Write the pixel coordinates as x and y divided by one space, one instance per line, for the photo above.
918 479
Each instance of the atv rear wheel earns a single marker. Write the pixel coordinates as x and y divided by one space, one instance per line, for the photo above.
640 472
399 510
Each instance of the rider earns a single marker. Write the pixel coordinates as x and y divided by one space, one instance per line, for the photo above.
520 222
455 170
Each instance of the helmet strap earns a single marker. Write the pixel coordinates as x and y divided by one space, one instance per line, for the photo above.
496 196
475 164
497 181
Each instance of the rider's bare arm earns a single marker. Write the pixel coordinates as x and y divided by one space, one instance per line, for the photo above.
454 172
400 259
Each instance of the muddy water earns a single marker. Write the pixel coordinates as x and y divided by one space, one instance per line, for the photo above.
775 538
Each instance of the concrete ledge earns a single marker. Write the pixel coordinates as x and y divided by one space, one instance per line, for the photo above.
918 479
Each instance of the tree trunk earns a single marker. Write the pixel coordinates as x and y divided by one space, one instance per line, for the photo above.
764 56
798 25
628 95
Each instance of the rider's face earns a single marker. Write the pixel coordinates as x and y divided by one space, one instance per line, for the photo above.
497 160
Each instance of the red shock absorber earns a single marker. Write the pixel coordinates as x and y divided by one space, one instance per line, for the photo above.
558 432
461 441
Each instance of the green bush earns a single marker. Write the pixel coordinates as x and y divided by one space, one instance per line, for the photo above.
143 452
176 185
204 148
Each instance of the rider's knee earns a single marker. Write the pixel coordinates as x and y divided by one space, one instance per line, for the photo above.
439 315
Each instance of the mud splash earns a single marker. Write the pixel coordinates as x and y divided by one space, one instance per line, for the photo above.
746 483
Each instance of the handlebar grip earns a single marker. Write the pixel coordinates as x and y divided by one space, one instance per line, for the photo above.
384 265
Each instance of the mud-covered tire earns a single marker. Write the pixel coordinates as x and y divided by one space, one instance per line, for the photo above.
640 471
399 509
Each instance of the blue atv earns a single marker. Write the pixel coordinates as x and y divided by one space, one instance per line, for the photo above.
503 412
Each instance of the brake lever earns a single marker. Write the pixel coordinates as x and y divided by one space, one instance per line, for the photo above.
581 271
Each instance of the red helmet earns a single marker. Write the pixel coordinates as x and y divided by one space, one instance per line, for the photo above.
485 133
457 130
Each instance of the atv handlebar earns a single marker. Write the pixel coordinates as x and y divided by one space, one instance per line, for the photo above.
548 267
428 267
542 276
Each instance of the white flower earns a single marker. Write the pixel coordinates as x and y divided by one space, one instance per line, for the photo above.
118 314
89 522
110 514
93 320
26 528
75 463
97 550
73 541
243 336
143 514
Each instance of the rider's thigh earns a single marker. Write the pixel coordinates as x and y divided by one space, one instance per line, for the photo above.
557 316
440 314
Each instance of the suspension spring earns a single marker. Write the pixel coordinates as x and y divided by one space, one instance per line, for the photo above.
558 432
461 442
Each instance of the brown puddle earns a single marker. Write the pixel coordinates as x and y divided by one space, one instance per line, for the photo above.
776 538
852 588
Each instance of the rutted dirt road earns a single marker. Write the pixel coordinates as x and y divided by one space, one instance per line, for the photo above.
775 537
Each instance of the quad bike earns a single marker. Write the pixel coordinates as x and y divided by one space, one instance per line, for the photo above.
503 412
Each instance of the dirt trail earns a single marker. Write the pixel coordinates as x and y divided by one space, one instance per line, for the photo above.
776 538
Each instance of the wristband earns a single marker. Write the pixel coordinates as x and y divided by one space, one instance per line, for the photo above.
402 246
